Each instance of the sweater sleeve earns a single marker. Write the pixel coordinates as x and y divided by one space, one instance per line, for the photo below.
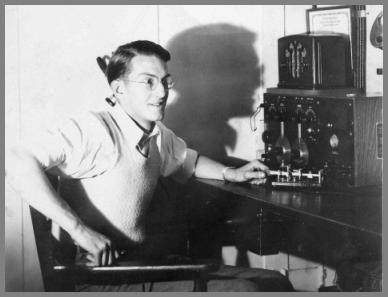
178 161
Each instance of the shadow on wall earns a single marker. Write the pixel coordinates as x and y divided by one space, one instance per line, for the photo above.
217 71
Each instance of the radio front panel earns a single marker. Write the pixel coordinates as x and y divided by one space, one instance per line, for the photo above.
316 135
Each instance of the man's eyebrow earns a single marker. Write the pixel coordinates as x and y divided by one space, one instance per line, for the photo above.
153 75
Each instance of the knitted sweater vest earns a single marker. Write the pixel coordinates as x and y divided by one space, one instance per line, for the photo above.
114 203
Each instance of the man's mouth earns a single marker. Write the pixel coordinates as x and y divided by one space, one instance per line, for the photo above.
158 104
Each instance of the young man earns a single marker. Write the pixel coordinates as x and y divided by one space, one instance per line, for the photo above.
109 162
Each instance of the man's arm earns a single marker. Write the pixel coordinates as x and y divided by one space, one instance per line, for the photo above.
25 174
253 172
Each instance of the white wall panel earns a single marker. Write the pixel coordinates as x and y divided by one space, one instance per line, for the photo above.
58 50
271 28
12 69
295 19
13 207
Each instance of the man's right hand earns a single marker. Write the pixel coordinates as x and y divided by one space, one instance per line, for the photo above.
27 177
101 251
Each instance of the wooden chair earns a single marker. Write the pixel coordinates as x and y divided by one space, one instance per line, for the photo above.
61 271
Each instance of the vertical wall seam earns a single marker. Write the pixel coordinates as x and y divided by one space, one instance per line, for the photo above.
284 20
158 23
19 101
261 46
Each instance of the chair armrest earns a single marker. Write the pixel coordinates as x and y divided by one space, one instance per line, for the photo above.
201 265
138 271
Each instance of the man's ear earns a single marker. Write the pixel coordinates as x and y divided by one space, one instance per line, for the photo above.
117 87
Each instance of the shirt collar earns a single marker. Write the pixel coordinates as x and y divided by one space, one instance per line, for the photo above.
131 129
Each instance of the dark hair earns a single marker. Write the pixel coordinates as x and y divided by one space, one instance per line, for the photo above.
119 62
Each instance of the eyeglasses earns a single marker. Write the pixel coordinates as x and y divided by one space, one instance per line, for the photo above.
152 82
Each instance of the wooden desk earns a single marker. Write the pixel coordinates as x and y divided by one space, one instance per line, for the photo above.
360 210
321 226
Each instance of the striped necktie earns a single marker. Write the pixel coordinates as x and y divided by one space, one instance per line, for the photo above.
143 146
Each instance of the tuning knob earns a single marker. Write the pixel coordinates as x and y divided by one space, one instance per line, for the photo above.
276 151
270 155
267 137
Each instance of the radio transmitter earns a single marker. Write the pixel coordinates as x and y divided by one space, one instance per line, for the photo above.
322 139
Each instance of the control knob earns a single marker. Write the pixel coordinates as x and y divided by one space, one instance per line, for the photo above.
272 112
299 115
311 116
282 111
311 133
267 137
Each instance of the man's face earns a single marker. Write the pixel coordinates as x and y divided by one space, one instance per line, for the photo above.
138 99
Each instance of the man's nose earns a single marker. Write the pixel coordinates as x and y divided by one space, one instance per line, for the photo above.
161 90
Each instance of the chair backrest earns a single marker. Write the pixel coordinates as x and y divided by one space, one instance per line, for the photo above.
50 250
42 226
